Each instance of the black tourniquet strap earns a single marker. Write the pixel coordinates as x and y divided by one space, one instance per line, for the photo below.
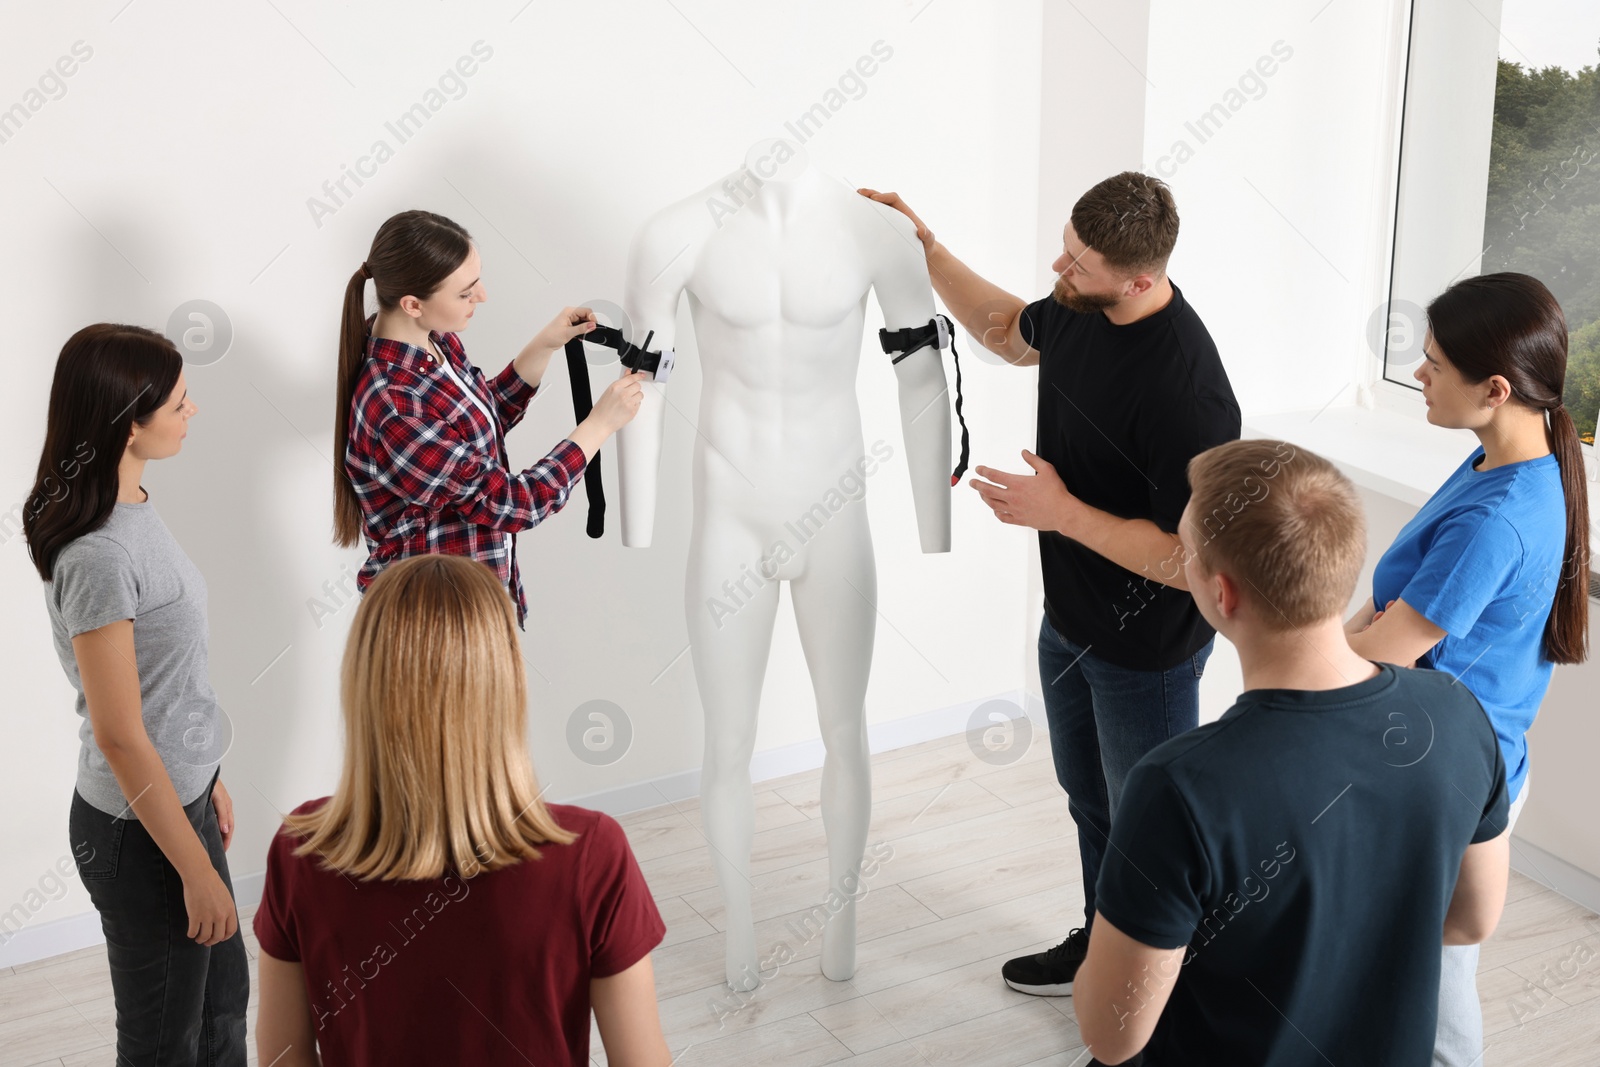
914 338
582 404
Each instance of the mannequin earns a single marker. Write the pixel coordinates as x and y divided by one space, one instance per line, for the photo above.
777 260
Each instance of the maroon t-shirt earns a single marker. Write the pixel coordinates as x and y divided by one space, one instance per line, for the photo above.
480 965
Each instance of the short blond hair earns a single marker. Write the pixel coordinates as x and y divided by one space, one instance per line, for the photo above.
437 778
1281 521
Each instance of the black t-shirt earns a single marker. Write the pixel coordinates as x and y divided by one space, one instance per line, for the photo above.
1122 410
1305 847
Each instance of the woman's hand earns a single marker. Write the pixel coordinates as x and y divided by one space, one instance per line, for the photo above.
534 358
212 917
224 805
1397 634
569 323
620 402
614 409
1361 619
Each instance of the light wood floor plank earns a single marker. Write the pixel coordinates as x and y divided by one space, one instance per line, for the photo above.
984 867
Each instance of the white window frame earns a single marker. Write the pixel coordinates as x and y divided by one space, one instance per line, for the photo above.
1432 181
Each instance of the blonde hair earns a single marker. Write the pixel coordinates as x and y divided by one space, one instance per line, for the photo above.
436 775
1283 522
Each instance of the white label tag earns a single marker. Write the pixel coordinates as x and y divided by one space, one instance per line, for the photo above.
664 369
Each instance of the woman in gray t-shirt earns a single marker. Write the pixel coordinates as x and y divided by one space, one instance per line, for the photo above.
150 819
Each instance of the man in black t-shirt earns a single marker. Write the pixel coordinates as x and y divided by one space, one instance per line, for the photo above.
1130 389
1280 880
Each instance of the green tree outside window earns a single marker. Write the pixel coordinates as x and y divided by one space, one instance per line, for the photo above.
1542 216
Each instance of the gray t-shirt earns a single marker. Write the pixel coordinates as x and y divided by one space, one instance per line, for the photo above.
133 568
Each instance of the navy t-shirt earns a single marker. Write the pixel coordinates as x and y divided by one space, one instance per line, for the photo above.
1305 848
1481 561
1122 410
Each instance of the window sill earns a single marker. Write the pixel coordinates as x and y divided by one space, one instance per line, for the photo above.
1387 451
1384 451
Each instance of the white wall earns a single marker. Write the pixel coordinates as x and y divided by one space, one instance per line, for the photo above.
1089 53
1265 118
1277 199
1558 822
178 165
178 162
1449 124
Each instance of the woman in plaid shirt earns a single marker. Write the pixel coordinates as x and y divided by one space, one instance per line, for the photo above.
422 430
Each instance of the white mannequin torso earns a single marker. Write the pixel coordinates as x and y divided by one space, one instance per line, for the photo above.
777 291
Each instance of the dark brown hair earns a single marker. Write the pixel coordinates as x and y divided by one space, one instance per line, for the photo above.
1131 220
108 377
1511 325
1283 522
412 255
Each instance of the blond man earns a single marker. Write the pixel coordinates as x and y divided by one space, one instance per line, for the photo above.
1280 881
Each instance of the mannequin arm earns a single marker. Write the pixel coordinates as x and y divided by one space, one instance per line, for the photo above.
658 268
925 422
906 296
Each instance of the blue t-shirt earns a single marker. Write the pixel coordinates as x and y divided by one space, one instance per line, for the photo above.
1481 561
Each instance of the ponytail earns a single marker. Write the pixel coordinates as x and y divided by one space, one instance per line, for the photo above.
412 254
1566 635
1511 325
352 354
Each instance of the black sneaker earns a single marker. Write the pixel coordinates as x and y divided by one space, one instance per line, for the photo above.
1048 974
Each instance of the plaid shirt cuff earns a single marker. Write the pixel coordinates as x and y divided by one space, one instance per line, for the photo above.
571 459
514 394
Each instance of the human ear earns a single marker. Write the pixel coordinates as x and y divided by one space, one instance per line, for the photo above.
1499 391
1227 596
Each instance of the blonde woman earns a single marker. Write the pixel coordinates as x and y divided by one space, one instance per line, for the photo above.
435 885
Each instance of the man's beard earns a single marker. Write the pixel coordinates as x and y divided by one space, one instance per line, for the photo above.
1074 300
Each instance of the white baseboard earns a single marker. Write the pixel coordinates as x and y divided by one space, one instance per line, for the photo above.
1553 872
83 931
74 932
801 756
69 934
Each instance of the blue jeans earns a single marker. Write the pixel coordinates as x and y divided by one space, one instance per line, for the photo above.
1459 1041
179 1004
1103 719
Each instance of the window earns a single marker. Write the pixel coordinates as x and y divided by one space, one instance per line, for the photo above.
1500 170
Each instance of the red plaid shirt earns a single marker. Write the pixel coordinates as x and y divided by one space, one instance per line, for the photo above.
431 471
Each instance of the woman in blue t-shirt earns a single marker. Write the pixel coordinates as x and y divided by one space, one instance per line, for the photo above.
1487 581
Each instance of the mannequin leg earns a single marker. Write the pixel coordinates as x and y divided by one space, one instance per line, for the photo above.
834 608
729 639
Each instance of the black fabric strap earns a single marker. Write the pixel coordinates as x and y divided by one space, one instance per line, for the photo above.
914 339
906 341
582 404
634 357
966 448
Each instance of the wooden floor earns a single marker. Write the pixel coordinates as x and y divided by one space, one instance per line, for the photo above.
984 867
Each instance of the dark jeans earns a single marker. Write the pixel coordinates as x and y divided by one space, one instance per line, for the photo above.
1103 719
178 1002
